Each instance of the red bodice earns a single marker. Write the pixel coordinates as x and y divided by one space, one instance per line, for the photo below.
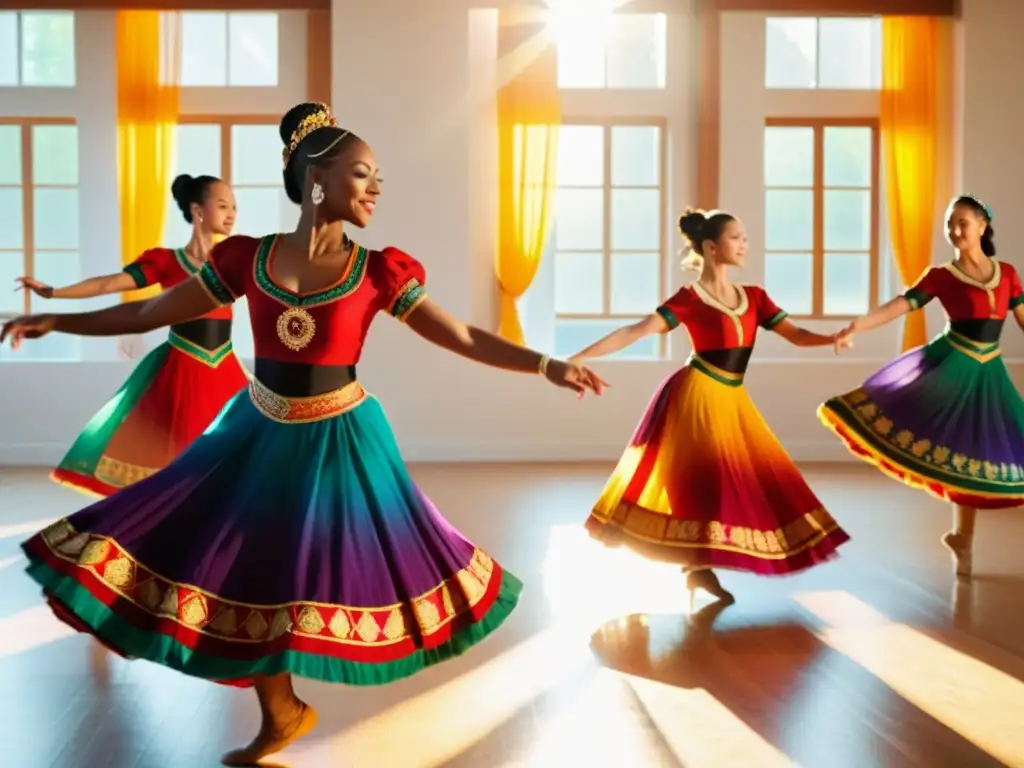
166 267
324 327
965 298
712 325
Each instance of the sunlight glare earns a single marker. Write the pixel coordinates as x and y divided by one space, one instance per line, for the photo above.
576 23
29 528
587 583
430 730
12 560
971 698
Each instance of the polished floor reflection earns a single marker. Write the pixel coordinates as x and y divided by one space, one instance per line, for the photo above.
877 659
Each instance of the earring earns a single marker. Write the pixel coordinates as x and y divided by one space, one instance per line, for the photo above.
317 195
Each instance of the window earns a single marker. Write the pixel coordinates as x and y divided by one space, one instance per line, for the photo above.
829 52
609 233
37 49
39 219
221 49
610 50
246 153
821 216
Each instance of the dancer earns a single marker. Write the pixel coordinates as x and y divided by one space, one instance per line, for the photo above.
289 538
177 389
946 417
704 483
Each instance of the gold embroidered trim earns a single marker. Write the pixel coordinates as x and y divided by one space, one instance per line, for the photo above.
233 621
777 544
989 288
120 473
921 451
302 410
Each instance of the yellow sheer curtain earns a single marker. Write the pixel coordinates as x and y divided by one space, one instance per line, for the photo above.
911 49
529 113
148 55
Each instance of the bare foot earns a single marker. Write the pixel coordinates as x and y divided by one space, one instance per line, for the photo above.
273 738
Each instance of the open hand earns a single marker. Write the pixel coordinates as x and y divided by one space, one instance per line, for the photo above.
31 284
26 327
575 377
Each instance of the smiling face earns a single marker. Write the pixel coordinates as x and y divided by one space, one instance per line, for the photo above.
730 248
351 184
964 227
217 213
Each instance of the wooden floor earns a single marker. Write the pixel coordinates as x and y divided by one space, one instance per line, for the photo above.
877 659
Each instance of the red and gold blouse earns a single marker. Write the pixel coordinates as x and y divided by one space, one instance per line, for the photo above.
722 336
207 338
965 298
325 327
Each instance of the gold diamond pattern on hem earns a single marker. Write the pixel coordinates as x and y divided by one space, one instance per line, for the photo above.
296 328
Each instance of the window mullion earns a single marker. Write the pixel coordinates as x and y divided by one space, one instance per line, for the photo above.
606 265
818 305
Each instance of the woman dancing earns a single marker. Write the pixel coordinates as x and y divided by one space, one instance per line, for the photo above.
946 417
289 539
177 389
704 483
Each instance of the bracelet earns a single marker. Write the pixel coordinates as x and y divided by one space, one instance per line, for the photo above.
542 366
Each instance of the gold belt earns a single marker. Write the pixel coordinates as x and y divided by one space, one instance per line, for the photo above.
298 410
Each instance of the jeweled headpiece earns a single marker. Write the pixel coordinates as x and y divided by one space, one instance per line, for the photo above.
322 118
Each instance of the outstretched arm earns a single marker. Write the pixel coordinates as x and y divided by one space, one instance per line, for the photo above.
438 327
886 313
801 337
119 282
624 337
1018 315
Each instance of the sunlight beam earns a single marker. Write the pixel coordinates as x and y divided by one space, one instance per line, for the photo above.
24 529
429 730
981 703
702 732
30 629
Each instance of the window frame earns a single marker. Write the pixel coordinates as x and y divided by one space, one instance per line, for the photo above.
819 124
28 187
228 13
19 47
617 12
817 49
225 122
608 123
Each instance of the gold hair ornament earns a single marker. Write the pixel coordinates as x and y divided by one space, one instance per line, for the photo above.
322 118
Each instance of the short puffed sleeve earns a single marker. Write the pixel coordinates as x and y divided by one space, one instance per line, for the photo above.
403 282
674 309
223 275
1016 294
769 314
149 268
924 290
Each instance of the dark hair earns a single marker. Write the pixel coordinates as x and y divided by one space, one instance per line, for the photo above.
983 212
191 190
696 227
325 143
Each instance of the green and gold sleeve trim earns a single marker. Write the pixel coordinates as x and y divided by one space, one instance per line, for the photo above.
215 286
668 316
134 271
917 298
775 319
1016 301
409 297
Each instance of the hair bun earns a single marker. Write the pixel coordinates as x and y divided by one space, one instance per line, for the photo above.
181 191
690 225
295 115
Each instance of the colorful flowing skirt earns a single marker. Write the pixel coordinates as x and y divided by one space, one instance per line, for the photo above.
288 538
705 483
945 418
171 397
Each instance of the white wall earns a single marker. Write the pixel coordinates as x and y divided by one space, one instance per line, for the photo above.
423 106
